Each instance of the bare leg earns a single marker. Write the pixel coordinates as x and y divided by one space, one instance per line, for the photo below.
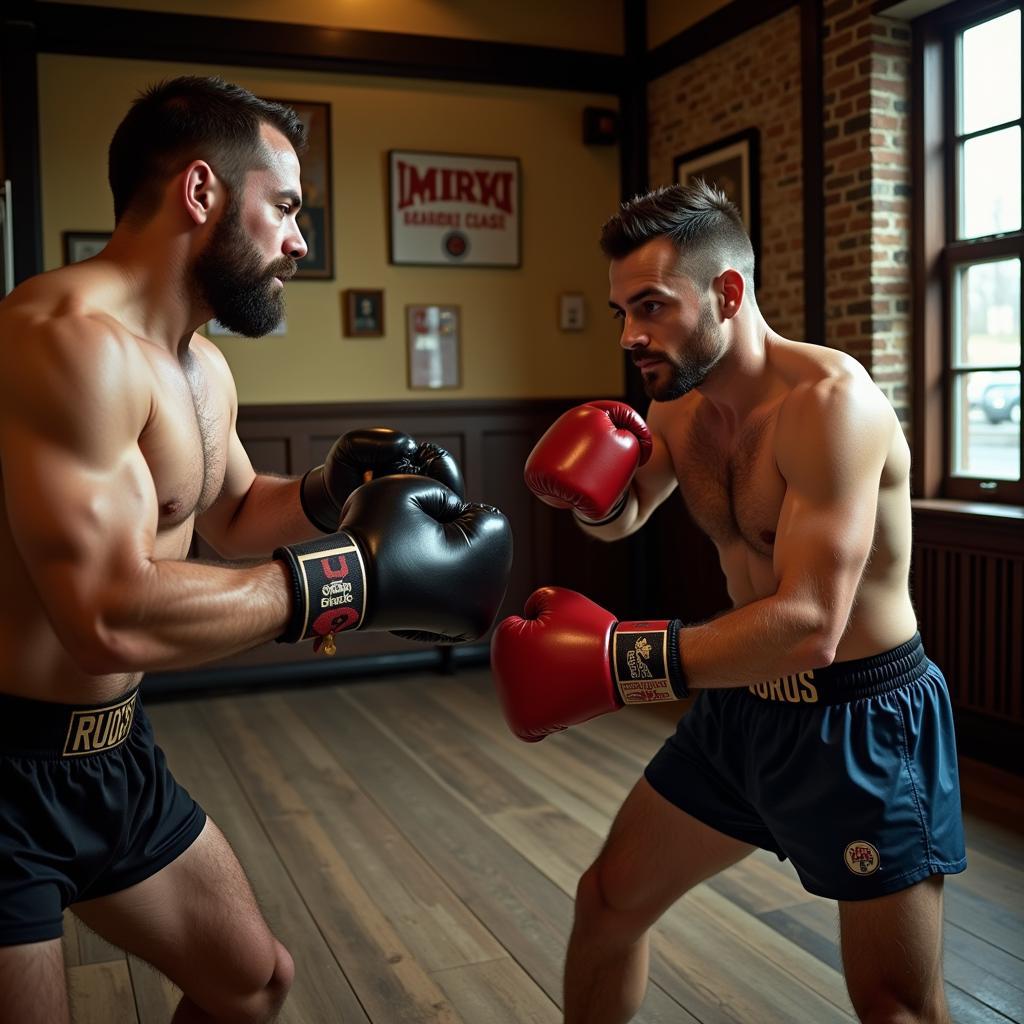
197 921
33 989
653 855
892 956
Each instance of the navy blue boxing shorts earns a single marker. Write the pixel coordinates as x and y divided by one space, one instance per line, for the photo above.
849 771
87 808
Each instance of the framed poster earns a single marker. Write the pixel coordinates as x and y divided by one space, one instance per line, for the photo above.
450 209
363 312
80 245
315 219
433 346
731 164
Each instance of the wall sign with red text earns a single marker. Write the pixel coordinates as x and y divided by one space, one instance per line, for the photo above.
454 210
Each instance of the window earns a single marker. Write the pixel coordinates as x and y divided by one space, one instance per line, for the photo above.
975 258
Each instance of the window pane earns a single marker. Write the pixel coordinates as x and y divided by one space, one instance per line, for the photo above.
990 190
986 425
987 318
990 92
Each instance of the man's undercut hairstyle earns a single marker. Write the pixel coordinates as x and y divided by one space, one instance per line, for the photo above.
705 227
191 118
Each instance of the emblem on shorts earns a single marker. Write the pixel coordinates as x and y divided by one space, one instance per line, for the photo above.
861 858
92 731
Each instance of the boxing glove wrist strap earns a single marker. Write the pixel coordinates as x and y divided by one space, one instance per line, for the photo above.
328 581
617 509
645 661
319 506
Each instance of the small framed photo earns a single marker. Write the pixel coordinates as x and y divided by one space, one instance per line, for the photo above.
363 312
433 346
81 245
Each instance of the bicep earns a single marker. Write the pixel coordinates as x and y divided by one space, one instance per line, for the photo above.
656 479
827 522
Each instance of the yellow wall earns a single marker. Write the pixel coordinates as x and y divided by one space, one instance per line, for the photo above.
667 18
573 24
512 347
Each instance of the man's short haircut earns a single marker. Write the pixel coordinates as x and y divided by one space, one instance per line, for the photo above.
191 118
705 227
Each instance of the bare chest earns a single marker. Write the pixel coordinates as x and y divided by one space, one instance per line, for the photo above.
732 486
185 442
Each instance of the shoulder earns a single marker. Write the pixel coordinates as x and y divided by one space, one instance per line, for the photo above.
68 366
837 391
838 417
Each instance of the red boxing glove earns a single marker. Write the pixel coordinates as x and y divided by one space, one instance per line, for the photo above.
569 660
587 458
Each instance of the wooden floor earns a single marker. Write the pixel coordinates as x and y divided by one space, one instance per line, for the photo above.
419 862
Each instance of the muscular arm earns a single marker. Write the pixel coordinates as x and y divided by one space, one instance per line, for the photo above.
83 511
254 512
822 545
653 483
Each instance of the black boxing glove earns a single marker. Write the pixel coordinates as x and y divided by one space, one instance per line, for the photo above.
411 557
379 451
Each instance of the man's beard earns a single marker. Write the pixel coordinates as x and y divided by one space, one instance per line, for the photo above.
233 281
692 369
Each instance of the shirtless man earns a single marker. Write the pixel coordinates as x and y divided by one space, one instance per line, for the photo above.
117 440
820 730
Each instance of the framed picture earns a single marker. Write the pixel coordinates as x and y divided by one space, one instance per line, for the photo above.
731 164
80 245
433 346
451 209
363 312
315 219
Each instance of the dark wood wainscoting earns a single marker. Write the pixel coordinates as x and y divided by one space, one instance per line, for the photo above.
968 587
491 440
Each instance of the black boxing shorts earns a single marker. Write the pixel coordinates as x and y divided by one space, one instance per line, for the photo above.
87 808
849 771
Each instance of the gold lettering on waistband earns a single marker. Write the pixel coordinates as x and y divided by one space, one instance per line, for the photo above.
90 732
791 689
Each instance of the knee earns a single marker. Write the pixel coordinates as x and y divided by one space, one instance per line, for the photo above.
263 994
608 894
883 1006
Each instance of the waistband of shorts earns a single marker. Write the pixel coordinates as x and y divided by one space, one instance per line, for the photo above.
844 681
44 729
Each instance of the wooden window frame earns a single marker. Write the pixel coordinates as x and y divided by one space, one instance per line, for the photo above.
938 254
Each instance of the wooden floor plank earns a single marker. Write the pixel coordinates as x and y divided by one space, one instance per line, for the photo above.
69 941
989 973
321 992
734 967
524 910
101 993
93 948
498 992
155 996
327 855
590 802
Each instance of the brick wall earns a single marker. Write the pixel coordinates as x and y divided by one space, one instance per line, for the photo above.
754 80
867 193
750 81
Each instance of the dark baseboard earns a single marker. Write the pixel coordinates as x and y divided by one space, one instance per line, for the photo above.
994 741
214 682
